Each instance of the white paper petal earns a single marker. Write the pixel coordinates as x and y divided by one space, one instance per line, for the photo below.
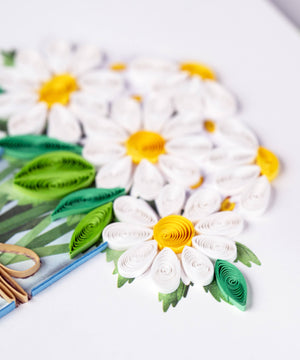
30 122
233 132
222 157
201 203
255 198
103 83
180 125
170 200
178 170
115 174
32 65
226 223
157 109
103 128
85 58
197 266
194 146
137 260
127 113
17 102
216 247
233 180
63 125
102 152
189 104
122 236
58 54
185 279
82 105
135 211
147 181
218 101
166 271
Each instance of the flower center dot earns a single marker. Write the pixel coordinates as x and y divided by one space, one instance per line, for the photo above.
58 89
145 145
198 69
174 232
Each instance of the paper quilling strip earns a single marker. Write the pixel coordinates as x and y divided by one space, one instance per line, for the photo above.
54 175
29 146
89 230
83 201
232 283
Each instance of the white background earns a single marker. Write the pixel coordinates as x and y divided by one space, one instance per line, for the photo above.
257 54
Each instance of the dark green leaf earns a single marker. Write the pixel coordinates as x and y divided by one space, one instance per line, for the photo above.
8 57
85 200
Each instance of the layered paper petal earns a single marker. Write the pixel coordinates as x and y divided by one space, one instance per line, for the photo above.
170 200
126 112
135 261
197 266
147 181
85 58
202 203
216 247
166 271
222 157
135 211
226 223
122 236
58 54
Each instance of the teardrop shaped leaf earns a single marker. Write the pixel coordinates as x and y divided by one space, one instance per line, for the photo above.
54 175
89 230
27 147
85 200
231 283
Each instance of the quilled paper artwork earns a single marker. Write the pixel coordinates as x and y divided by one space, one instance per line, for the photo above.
144 158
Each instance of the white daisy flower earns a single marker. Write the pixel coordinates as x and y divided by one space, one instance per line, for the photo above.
145 146
58 86
171 246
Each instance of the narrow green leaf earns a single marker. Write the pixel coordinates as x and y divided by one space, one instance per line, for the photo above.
245 255
113 255
54 175
8 57
174 297
85 200
27 147
3 122
90 228
232 283
215 291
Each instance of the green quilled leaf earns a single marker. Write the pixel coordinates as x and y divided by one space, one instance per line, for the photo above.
85 200
54 175
89 230
232 283
27 147
113 255
174 297
245 255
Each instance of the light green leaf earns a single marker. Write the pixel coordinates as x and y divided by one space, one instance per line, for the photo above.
8 57
113 255
215 291
245 255
90 228
174 297
27 147
54 175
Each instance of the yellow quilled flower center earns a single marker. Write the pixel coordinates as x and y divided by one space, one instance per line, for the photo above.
118 66
174 232
268 163
58 89
145 145
209 126
198 69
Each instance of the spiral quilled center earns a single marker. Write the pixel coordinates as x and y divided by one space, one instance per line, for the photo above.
174 232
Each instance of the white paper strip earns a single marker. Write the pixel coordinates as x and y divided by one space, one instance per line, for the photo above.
166 271
126 112
233 181
147 181
226 223
170 200
216 247
197 266
135 211
255 198
122 236
222 157
137 260
202 203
